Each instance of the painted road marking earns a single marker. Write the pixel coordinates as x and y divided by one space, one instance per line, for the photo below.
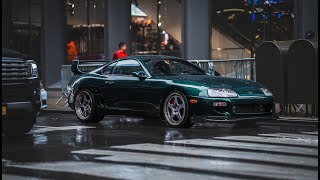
312 133
218 153
290 135
274 140
208 159
17 177
245 146
114 170
62 128
37 126
219 166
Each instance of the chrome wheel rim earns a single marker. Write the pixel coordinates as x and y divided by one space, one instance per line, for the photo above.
175 109
83 105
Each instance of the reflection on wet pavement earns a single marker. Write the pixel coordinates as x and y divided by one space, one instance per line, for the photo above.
121 147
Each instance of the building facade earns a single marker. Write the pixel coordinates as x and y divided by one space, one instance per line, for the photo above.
55 32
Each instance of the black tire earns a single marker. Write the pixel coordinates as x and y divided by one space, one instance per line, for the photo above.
176 111
87 111
19 129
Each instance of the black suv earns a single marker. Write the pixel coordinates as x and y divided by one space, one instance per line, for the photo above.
20 92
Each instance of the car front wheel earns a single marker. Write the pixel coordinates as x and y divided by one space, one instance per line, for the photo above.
176 110
85 107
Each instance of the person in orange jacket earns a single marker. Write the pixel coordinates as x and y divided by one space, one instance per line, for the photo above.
72 51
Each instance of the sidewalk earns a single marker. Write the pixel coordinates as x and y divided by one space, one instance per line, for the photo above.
55 94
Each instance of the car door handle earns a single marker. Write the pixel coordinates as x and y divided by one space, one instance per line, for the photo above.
108 82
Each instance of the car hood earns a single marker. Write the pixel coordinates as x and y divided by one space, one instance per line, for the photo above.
242 87
14 54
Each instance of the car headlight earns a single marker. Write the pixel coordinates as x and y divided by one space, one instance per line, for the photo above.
266 91
32 69
221 92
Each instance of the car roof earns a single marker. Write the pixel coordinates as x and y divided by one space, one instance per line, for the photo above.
151 57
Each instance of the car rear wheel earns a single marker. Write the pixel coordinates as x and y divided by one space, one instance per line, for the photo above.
85 107
176 110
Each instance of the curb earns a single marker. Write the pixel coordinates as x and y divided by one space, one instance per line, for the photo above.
284 118
292 122
297 121
57 111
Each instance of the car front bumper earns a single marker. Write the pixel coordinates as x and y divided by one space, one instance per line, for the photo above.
230 119
236 109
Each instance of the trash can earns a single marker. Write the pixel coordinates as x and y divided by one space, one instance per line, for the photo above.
302 73
270 67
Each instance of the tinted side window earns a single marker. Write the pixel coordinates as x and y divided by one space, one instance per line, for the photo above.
127 67
108 69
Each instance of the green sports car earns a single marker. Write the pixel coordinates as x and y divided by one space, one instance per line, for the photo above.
177 91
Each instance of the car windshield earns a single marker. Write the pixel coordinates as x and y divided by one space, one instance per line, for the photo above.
165 67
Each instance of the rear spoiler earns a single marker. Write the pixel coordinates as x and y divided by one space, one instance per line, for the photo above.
75 67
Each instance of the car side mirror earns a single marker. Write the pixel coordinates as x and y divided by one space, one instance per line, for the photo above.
141 75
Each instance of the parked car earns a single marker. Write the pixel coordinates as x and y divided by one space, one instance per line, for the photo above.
20 92
171 88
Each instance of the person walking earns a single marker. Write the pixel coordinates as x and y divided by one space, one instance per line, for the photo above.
121 52
72 51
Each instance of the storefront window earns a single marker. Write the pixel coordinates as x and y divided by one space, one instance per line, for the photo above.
26 28
156 27
85 29
238 27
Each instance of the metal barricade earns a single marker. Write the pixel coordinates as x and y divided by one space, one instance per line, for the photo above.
66 75
176 53
233 68
206 65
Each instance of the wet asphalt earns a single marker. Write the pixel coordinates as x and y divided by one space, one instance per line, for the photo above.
119 147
